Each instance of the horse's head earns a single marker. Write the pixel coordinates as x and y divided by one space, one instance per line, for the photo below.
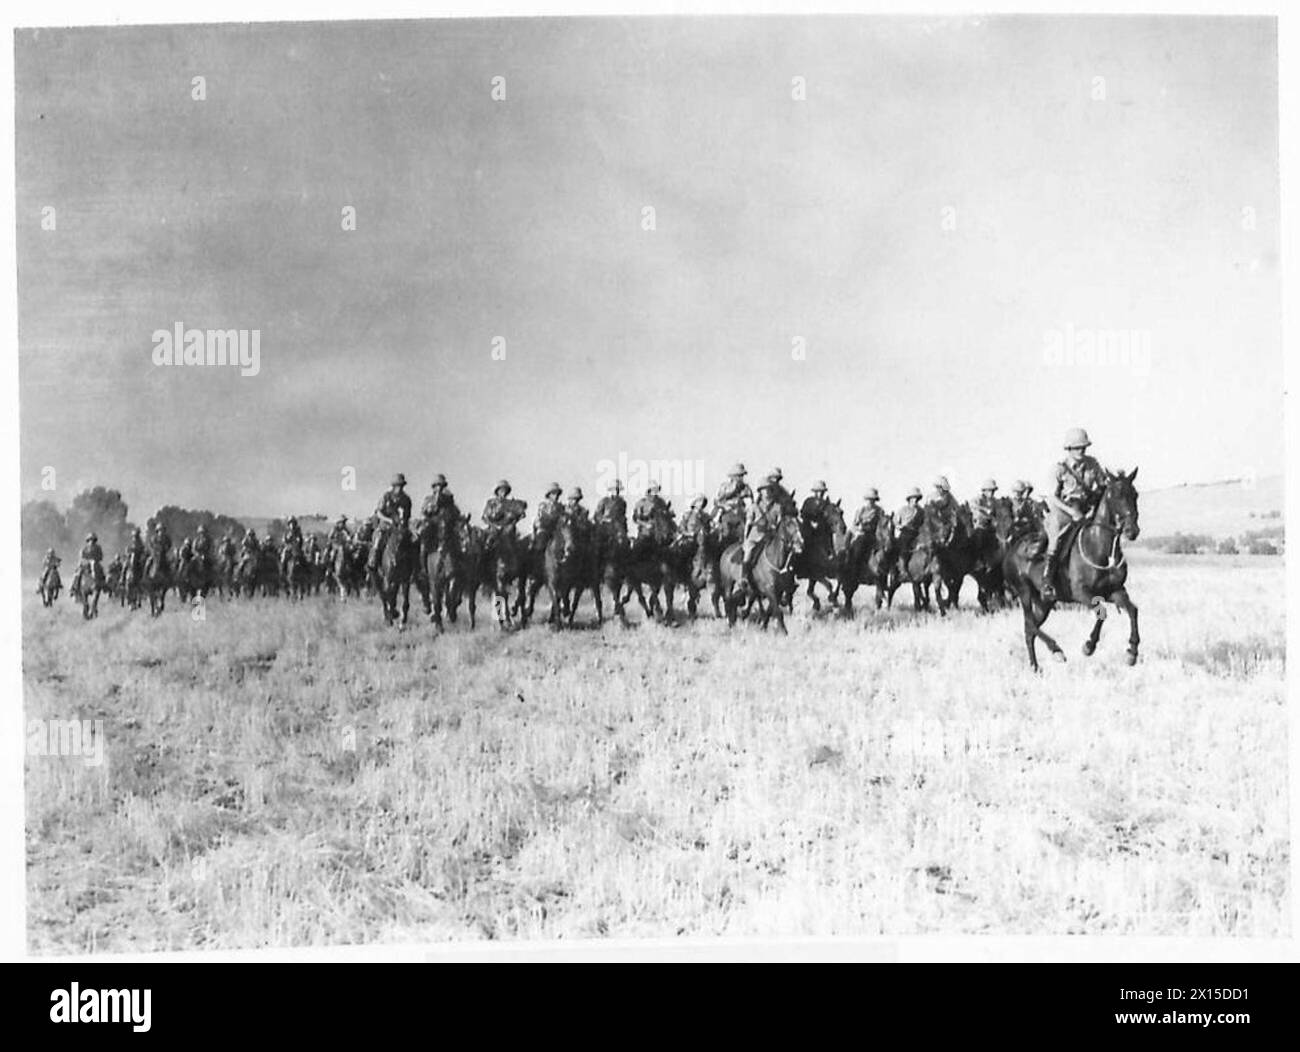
789 534
1118 506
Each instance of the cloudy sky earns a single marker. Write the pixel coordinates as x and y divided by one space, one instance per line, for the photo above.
949 201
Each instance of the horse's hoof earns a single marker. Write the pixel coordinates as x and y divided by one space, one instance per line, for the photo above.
1130 658
1059 656
1088 647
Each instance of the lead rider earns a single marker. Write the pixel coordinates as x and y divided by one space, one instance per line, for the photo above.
1079 481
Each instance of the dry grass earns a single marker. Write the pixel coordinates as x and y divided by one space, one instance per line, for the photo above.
281 775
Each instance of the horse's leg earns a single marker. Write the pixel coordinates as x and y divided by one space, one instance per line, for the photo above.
1120 598
1098 605
1031 626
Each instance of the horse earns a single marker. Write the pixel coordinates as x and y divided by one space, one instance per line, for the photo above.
347 567
921 568
868 562
132 580
87 584
157 579
989 537
560 570
1092 569
613 550
296 572
823 555
246 576
651 563
698 556
506 565
397 566
773 573
588 573
467 575
50 586
193 577
439 553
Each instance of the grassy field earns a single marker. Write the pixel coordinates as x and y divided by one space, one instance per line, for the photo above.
287 775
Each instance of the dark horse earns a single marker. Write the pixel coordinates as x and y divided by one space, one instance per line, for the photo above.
561 572
439 554
868 562
697 555
86 586
651 563
157 579
823 556
613 550
773 574
1092 569
921 568
397 566
51 585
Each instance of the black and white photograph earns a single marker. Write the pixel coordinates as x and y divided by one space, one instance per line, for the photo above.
694 478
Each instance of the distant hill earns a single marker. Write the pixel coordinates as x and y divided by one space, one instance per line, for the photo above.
1227 508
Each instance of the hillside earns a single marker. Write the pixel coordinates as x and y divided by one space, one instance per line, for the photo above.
1221 509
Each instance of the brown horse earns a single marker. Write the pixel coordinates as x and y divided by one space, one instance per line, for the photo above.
921 568
397 566
823 556
470 569
613 550
51 585
773 574
439 552
652 565
868 562
1092 569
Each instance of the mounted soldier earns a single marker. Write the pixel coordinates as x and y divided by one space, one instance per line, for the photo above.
440 504
203 546
501 514
1025 518
576 513
782 496
160 543
91 561
697 518
226 549
136 552
731 505
942 507
868 516
764 517
293 534
393 511
339 536
1078 482
366 531
613 508
909 519
813 511
986 505
549 512
649 511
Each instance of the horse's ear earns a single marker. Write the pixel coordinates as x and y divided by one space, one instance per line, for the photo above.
839 502
1133 474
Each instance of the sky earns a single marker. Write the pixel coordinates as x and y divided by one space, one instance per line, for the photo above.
899 273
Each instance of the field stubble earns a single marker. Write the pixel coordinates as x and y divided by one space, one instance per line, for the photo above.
280 774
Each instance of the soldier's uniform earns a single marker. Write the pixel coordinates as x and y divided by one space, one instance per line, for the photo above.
1025 518
1078 481
764 517
92 558
366 531
868 516
394 509
249 548
548 514
293 532
909 520
162 542
339 534
51 563
500 515
576 513
136 550
814 509
782 496
697 518
986 505
440 502
649 509
613 508
226 549
203 545
734 495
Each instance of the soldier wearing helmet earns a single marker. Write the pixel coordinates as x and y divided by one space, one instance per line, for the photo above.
813 512
909 519
764 517
783 498
575 512
439 502
1078 480
293 533
1025 518
697 518
734 495
339 534
549 512
135 550
203 545
161 542
393 510
649 509
868 516
249 548
986 505
613 508
502 513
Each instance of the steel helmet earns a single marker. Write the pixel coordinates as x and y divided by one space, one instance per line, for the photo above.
915 491
941 482
819 486
777 473
988 484
91 537
575 493
1018 486
616 486
502 485
397 480
700 501
439 480
737 470
654 487
871 494
1077 438
554 489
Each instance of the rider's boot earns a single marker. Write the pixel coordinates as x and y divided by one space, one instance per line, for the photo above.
1050 568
